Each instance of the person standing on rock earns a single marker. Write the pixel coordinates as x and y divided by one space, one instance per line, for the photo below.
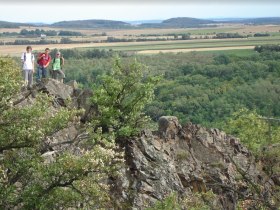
43 61
57 64
27 59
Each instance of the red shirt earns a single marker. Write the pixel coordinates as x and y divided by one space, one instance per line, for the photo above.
44 60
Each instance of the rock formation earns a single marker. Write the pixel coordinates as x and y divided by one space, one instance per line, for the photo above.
183 159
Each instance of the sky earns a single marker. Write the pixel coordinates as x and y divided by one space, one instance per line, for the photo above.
49 11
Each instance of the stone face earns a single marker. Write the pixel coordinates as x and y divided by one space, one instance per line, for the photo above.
182 159
73 84
186 160
56 88
168 126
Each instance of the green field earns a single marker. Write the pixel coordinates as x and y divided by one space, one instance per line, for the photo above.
211 31
241 52
162 45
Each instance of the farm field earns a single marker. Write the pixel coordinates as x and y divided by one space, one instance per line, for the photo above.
222 28
153 46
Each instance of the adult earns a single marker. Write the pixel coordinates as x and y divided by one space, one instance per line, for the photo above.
27 59
43 61
57 64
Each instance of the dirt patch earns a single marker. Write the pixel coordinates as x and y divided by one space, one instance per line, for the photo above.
257 29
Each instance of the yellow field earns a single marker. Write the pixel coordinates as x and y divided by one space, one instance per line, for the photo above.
16 50
240 28
151 46
258 29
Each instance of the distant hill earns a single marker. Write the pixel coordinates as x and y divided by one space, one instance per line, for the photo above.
186 21
91 24
254 21
6 24
261 21
179 22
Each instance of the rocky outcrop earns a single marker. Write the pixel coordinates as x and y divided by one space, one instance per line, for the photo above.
64 95
187 160
183 159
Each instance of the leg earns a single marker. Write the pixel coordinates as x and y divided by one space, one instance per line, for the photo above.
55 74
30 78
25 77
62 75
52 73
44 72
39 73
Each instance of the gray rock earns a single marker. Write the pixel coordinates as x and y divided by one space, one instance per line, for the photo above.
186 160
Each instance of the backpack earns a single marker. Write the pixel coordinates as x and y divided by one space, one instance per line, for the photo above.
24 57
61 62
38 60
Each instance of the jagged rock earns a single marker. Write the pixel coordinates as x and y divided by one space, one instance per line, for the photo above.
49 156
56 88
186 160
83 102
183 159
168 126
73 84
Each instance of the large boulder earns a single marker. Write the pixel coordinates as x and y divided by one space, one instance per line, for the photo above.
186 160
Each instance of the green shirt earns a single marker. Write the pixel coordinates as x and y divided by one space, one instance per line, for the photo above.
57 64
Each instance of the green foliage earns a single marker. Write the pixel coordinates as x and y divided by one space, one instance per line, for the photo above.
169 203
69 33
37 32
262 48
228 35
198 87
200 201
9 81
252 129
122 96
196 201
261 135
29 180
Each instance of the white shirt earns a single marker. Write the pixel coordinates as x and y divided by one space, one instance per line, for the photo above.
28 61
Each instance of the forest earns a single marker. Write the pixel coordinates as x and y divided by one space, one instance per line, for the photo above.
201 88
235 93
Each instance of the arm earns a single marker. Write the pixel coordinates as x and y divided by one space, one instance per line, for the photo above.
41 55
22 58
33 63
49 60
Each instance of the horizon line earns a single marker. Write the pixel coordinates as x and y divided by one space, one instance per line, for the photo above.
152 19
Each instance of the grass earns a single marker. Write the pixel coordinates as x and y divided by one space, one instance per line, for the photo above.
239 52
274 34
215 44
134 46
211 31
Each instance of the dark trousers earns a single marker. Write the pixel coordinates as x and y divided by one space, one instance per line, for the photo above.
41 73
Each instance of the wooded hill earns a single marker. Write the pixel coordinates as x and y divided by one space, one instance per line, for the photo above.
6 24
257 21
179 22
91 24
